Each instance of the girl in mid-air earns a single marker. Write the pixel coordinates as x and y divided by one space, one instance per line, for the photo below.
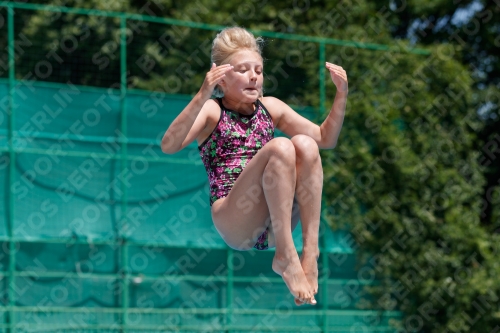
260 186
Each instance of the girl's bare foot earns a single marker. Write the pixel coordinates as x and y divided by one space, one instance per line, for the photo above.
289 268
309 263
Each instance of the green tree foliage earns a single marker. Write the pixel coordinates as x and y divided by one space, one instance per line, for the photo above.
407 183
406 178
473 28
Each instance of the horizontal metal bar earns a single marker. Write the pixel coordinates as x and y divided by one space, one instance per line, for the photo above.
183 277
201 328
70 153
137 243
101 242
302 312
85 138
204 26
102 90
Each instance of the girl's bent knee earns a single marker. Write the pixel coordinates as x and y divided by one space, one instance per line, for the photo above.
306 147
282 148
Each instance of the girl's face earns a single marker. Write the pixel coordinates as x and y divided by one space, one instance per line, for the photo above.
244 82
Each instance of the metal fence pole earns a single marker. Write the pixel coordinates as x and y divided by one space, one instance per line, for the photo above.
324 277
12 169
322 88
230 282
324 254
123 139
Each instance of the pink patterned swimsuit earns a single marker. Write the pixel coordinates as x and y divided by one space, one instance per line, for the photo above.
233 143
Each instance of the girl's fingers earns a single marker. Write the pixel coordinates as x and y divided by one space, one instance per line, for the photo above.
220 73
334 70
330 65
222 67
338 72
217 77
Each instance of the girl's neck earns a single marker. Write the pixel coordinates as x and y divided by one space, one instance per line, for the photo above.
235 105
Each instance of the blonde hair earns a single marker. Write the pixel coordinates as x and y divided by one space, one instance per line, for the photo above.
227 43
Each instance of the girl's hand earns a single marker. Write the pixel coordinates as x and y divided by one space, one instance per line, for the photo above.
339 76
213 77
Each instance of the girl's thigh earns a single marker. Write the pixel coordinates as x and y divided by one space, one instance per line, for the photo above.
243 214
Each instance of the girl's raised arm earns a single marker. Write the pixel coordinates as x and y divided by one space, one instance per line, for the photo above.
187 125
326 135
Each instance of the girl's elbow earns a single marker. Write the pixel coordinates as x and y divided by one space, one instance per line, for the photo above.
167 148
164 149
332 145
328 146
168 145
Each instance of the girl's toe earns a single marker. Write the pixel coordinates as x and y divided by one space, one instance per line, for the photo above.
298 302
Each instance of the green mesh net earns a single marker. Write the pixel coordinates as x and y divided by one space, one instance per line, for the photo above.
101 223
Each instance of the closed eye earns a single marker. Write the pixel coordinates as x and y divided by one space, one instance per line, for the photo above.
243 71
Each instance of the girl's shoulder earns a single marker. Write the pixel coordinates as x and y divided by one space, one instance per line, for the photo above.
211 111
271 102
274 106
